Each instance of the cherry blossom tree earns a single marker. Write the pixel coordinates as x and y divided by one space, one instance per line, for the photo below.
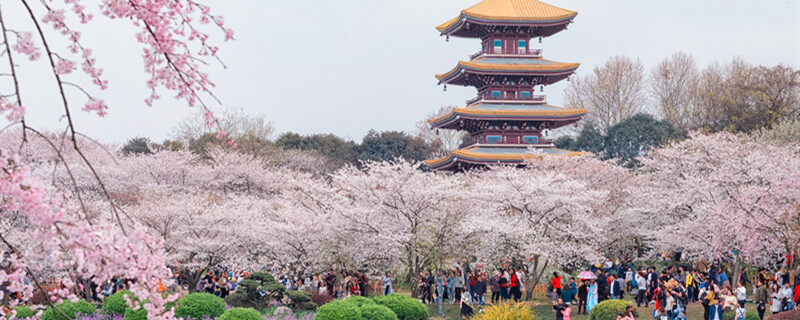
722 196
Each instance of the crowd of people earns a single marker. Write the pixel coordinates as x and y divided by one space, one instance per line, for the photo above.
672 289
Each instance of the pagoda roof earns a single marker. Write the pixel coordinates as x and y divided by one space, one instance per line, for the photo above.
508 111
508 12
508 65
494 155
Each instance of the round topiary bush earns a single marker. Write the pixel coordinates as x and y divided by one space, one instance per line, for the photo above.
610 309
377 312
116 303
24 312
69 310
338 310
199 305
731 315
517 311
241 314
359 300
139 314
405 307
301 300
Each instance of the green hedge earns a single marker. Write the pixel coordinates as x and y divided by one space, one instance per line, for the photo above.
731 315
610 309
338 310
405 307
301 300
359 300
141 313
69 309
24 312
377 312
198 305
116 304
241 314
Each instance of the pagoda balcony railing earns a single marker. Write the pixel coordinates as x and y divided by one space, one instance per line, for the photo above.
521 52
531 98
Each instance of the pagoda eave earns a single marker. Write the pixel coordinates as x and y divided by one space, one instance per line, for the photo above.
452 122
480 28
469 73
473 156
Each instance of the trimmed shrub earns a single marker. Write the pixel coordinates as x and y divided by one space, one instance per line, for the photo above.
338 310
69 309
241 314
199 305
786 315
405 307
610 309
377 312
248 292
301 300
116 304
359 300
517 311
24 312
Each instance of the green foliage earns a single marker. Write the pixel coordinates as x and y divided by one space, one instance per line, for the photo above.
69 309
332 147
139 145
24 312
338 310
247 294
405 307
241 314
138 314
301 300
359 300
199 305
636 135
610 309
731 315
391 145
377 312
503 311
116 303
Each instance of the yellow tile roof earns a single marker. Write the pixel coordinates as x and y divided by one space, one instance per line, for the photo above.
511 10
469 153
477 64
531 113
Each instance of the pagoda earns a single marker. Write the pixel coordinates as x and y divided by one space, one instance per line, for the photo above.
506 119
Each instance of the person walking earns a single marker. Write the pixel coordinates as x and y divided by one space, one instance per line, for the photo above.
503 280
556 283
641 285
451 286
761 298
494 285
440 281
480 290
513 286
387 283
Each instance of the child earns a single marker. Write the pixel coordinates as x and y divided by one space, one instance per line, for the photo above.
741 312
560 307
466 306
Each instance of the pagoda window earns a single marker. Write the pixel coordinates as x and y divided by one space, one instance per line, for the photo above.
494 139
498 46
530 139
525 95
522 46
497 94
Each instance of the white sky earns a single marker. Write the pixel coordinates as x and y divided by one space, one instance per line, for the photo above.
347 66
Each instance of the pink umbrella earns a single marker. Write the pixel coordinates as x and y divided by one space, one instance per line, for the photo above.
586 275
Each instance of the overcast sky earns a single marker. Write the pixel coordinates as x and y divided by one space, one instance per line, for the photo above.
348 66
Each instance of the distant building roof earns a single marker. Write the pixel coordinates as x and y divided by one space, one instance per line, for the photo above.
494 155
508 65
509 11
508 111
